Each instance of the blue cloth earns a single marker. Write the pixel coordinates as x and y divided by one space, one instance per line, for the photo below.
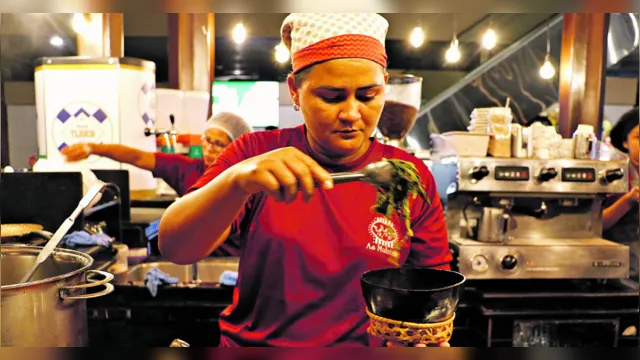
154 278
229 278
152 230
83 238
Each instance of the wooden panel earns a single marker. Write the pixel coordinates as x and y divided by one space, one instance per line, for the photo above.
114 34
582 71
191 51
104 36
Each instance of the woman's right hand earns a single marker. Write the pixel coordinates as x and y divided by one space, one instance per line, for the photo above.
76 152
280 173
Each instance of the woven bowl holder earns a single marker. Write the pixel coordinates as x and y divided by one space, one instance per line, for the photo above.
410 333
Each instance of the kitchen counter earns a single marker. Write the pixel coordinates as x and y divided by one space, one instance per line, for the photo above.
501 307
487 313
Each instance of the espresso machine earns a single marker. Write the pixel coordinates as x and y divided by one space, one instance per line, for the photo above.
402 102
526 218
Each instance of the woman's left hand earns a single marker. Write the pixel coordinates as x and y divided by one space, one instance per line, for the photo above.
393 344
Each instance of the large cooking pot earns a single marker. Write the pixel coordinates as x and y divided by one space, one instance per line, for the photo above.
412 294
51 309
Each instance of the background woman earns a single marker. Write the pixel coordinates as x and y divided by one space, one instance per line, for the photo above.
178 171
621 218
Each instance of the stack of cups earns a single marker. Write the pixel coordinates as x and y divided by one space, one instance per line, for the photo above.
541 140
500 131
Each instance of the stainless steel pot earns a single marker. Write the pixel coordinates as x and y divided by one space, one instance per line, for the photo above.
50 310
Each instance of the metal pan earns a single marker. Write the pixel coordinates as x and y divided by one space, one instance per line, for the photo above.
17 230
32 234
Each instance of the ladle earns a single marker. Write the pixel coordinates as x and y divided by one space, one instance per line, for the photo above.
90 199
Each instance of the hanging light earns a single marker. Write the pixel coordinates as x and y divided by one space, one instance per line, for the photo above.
547 71
239 33
79 23
56 41
490 39
453 52
416 39
281 53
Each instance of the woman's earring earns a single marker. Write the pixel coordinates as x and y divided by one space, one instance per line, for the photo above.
296 107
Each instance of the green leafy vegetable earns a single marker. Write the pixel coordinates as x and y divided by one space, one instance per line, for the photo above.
406 183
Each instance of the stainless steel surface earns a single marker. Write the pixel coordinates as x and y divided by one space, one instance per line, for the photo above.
207 271
493 225
378 173
556 185
554 227
543 259
87 201
50 310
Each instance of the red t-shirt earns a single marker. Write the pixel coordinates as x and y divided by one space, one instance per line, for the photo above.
301 263
178 171
181 172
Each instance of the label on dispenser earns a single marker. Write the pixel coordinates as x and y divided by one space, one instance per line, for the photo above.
512 173
578 174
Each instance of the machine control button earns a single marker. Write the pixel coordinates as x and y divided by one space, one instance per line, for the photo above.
509 262
479 263
547 174
478 173
613 175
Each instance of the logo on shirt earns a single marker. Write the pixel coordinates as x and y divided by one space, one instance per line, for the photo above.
384 235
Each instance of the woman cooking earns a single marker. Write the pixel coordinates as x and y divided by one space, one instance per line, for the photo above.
621 217
304 249
179 171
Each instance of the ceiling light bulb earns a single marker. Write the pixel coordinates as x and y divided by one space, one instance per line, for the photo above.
79 23
416 39
281 53
490 39
453 53
56 41
547 71
239 34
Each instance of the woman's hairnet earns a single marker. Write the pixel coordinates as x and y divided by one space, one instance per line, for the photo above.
232 124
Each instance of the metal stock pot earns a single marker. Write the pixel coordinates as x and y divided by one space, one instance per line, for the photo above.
50 310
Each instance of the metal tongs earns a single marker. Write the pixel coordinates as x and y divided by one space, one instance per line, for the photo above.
378 174
91 198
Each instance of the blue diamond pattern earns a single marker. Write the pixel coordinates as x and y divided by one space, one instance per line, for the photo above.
62 146
146 118
100 115
81 111
63 116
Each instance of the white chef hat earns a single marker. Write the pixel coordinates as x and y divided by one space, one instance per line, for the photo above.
232 124
317 37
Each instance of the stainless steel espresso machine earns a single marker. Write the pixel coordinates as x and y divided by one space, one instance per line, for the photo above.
522 218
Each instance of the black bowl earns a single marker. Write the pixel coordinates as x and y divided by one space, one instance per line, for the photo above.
412 294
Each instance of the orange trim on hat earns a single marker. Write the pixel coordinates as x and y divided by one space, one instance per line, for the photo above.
342 46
